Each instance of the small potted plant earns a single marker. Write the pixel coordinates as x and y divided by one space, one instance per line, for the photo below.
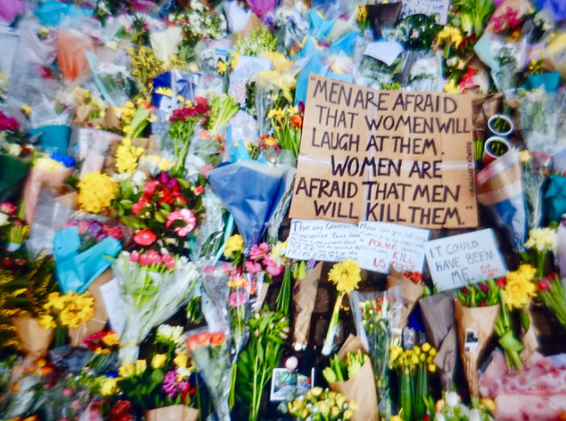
500 125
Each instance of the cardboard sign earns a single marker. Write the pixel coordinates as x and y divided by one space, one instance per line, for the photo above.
460 260
387 156
436 8
324 241
375 245
383 245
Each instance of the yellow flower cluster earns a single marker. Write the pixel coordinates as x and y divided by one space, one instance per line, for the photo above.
361 14
70 310
519 287
109 386
542 240
331 406
131 370
96 192
127 156
234 244
449 35
345 275
163 164
279 61
410 359
452 87
47 164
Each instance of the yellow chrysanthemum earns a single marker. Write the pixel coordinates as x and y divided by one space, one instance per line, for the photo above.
96 192
127 157
519 288
234 244
345 275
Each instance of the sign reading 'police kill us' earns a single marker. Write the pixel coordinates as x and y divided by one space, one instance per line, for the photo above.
389 156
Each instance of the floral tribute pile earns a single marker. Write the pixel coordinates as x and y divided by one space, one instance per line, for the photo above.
147 156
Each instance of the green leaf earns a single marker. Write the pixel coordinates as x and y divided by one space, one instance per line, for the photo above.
510 342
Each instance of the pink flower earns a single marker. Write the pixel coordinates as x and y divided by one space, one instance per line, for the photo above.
8 208
205 170
259 251
253 267
199 190
83 226
209 269
166 258
145 259
227 267
272 268
137 208
171 265
543 285
150 187
134 257
68 392
114 232
237 299
145 237
185 215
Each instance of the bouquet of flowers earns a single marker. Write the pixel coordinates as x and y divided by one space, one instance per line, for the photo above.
211 355
287 125
551 293
413 366
153 286
451 408
103 344
322 405
345 275
13 229
256 362
160 211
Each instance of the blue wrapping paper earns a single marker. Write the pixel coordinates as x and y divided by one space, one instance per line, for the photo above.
76 271
51 12
555 203
550 81
53 139
250 191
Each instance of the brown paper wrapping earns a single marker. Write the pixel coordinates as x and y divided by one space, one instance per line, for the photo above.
53 180
253 23
360 388
446 359
529 339
148 143
98 321
411 292
304 297
172 413
481 319
484 107
34 339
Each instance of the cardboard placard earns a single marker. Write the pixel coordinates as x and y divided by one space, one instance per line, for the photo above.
375 245
387 156
384 245
438 8
459 260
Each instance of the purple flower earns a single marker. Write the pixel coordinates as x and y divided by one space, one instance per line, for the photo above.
170 385
237 299
484 288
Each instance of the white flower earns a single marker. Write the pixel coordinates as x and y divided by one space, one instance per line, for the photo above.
3 219
475 415
452 399
542 239
13 149
439 417
172 334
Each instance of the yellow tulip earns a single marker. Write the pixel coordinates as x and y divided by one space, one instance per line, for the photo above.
140 367
127 370
158 361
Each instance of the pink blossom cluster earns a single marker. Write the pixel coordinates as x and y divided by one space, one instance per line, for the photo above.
153 258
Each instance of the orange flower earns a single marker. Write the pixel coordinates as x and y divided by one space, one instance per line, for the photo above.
297 121
216 338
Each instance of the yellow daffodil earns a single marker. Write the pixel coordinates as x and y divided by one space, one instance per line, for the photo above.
222 67
47 321
542 240
519 287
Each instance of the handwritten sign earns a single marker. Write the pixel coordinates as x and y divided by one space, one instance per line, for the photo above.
114 305
459 260
383 245
325 241
436 8
387 156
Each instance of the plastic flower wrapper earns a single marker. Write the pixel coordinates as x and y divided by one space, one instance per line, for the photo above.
251 208
77 269
551 292
71 49
377 316
322 404
499 188
534 168
425 74
540 116
211 355
375 74
152 287
345 276
280 211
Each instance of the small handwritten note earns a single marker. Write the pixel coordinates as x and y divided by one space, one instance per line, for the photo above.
114 305
438 8
322 240
459 260
383 245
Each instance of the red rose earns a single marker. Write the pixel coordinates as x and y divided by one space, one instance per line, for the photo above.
145 237
201 108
